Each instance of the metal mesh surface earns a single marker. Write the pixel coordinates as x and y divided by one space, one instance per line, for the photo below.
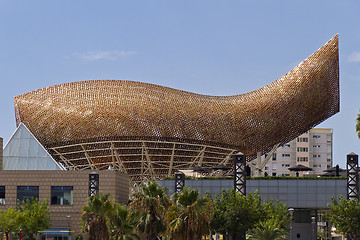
95 111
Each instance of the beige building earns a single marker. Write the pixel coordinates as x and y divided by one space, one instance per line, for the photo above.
66 192
312 149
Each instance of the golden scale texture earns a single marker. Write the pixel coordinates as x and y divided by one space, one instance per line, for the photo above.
150 131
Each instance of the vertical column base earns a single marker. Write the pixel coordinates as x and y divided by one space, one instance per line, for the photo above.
240 173
179 182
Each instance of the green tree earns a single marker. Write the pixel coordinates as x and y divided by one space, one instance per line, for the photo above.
120 227
357 126
148 208
9 220
345 216
235 214
268 230
189 216
277 213
33 216
94 216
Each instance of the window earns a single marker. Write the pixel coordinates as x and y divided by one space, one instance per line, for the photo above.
316 146
329 160
266 168
274 157
2 195
302 139
302 149
317 165
287 145
302 159
316 136
285 165
286 154
62 195
316 155
274 174
27 192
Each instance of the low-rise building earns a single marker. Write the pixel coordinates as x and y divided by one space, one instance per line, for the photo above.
65 191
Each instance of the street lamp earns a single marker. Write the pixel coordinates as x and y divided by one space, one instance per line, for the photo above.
291 211
68 220
313 227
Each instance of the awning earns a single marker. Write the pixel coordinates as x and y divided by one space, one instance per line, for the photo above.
56 231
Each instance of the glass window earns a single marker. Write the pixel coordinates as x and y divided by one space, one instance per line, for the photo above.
302 159
62 195
302 149
2 195
27 192
302 139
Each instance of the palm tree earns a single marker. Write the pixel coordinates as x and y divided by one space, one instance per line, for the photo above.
94 216
190 216
357 127
120 227
268 230
148 208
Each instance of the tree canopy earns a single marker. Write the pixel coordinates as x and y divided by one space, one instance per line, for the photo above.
31 216
189 216
94 215
268 230
235 214
148 208
119 224
357 126
345 216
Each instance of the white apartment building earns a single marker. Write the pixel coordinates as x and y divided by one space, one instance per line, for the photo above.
312 149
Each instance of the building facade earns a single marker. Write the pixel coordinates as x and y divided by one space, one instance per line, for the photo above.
65 191
312 149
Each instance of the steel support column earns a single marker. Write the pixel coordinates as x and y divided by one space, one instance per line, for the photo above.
179 182
240 173
352 176
93 184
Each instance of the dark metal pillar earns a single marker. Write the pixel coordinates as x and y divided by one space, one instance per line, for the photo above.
240 173
314 228
179 182
93 184
352 176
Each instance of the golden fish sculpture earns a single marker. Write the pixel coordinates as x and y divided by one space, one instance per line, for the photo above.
102 111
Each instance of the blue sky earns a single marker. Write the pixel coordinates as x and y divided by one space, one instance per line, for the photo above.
205 46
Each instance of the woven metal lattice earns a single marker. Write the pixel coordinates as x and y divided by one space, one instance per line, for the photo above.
92 111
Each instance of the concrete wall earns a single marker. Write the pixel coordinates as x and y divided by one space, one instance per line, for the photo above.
296 193
113 182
